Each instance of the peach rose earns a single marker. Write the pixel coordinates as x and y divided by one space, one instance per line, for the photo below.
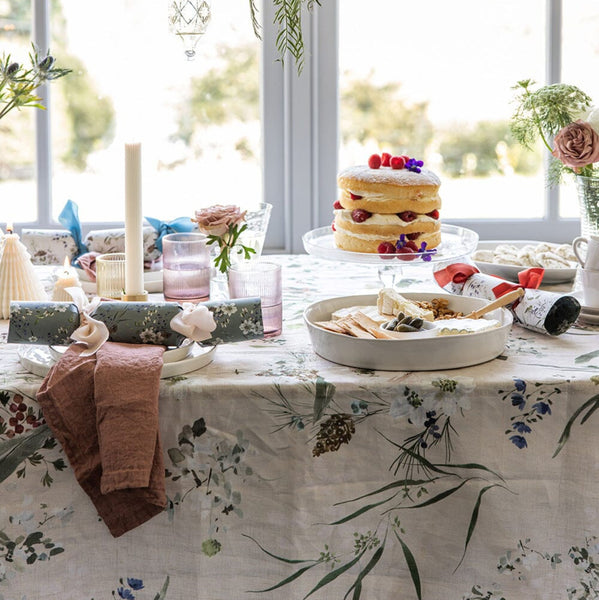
215 220
577 145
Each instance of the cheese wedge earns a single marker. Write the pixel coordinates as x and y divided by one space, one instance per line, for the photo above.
390 302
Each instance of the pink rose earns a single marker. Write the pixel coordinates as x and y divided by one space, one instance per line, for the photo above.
215 220
577 145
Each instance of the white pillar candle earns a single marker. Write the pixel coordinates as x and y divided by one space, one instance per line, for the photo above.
134 252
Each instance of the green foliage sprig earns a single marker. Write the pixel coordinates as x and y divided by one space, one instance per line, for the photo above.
18 82
543 112
226 243
288 18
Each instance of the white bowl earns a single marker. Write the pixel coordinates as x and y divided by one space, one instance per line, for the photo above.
510 272
413 353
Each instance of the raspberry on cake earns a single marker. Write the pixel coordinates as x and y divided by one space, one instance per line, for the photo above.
397 201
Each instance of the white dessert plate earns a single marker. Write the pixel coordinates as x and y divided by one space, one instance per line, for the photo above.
510 272
413 353
39 360
169 356
152 281
455 243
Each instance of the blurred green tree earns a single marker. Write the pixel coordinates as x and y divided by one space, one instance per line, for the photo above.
379 113
90 118
484 148
229 91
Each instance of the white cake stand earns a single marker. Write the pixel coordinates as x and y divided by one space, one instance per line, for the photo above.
456 242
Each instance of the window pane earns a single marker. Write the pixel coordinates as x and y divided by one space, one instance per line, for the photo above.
437 85
580 62
198 121
17 137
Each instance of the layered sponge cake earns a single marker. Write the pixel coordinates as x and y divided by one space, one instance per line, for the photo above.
377 204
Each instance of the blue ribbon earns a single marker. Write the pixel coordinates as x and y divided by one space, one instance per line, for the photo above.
180 225
69 219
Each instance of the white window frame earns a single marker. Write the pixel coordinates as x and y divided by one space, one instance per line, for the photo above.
300 117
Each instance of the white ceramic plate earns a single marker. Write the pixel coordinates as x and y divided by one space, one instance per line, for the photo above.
171 355
39 360
152 281
587 310
510 272
413 354
455 242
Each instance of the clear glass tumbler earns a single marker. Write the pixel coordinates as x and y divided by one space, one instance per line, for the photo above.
257 279
185 267
110 275
256 221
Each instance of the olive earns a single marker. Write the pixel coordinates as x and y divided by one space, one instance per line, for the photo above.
405 328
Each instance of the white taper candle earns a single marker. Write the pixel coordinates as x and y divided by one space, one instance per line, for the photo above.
134 252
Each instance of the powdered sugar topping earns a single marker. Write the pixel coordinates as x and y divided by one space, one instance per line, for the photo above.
387 175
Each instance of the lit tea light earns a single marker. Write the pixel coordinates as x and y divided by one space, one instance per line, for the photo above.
67 277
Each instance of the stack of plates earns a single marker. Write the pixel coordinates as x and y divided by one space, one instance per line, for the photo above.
588 314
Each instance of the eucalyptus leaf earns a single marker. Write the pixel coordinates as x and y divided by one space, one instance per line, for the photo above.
329 577
357 585
472 466
438 497
289 579
285 560
362 510
13 454
412 566
403 483
161 595
566 432
322 397
473 520
584 358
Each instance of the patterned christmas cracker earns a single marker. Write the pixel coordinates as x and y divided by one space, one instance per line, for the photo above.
539 310
49 246
113 240
52 323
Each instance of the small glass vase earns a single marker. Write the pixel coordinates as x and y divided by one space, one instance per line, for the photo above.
588 201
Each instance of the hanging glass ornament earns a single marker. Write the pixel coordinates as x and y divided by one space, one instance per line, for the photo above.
189 19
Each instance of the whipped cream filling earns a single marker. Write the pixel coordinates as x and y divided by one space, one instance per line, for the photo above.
379 197
378 237
342 215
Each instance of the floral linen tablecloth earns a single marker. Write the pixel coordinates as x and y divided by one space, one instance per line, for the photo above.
290 476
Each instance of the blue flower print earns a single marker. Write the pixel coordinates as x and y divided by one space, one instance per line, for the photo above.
520 385
125 593
519 441
135 584
521 427
518 400
538 397
542 408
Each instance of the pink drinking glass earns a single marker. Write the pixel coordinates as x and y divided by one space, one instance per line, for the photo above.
257 279
186 267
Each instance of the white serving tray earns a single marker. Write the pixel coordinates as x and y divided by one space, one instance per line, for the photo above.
510 272
408 354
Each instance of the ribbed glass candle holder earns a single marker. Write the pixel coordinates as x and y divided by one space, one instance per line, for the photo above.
110 275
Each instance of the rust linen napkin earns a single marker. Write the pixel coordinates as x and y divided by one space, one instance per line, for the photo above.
103 409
